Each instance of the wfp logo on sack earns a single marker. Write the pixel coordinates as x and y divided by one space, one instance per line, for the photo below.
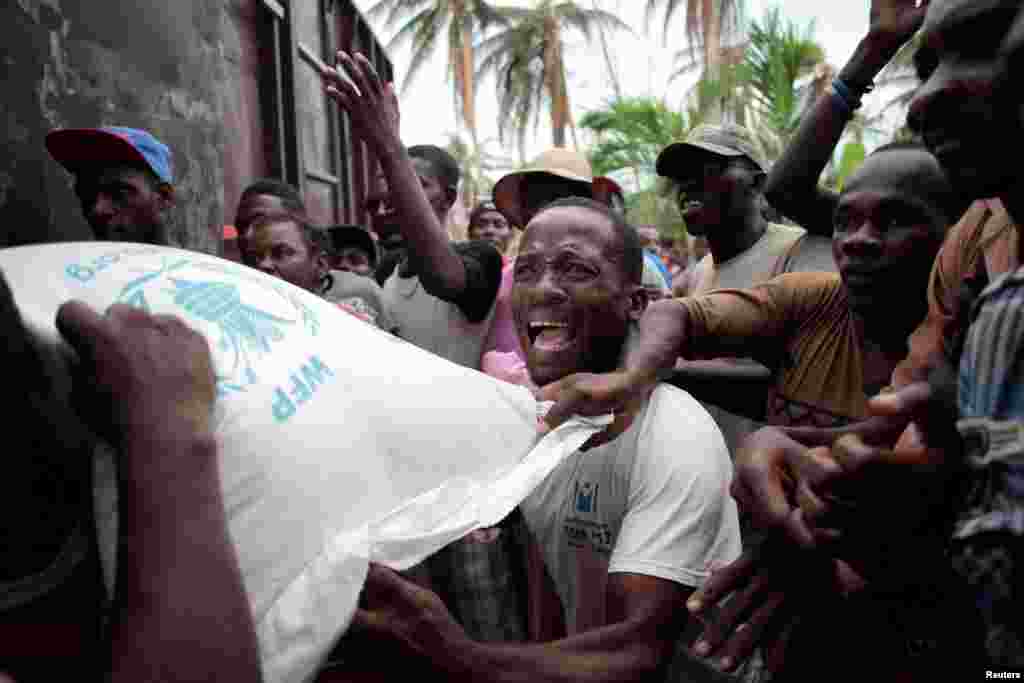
243 313
585 495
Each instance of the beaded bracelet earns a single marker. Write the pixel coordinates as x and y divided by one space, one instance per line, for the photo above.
846 95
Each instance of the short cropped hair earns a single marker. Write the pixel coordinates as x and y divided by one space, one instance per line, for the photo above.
481 209
956 204
443 164
632 249
289 195
317 240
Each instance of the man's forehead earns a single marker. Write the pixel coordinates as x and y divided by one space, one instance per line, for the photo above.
582 230
111 174
904 174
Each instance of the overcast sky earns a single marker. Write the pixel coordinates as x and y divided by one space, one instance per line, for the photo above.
644 65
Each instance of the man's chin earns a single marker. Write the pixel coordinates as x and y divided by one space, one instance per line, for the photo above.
547 373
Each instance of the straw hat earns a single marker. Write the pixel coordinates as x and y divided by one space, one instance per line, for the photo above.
557 161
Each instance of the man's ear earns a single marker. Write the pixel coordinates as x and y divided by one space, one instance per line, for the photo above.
759 179
451 194
638 301
166 192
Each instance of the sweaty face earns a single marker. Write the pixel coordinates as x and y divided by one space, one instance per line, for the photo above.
958 109
889 224
353 260
492 226
279 249
122 205
571 301
715 191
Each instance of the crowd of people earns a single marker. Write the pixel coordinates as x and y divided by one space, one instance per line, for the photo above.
815 463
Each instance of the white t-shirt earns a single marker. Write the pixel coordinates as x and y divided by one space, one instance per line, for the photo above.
434 324
654 501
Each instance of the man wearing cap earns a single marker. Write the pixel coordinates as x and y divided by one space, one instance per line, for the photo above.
719 174
123 179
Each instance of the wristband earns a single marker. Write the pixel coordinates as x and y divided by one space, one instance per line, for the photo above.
840 102
843 91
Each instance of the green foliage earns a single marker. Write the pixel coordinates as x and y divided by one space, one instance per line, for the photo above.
526 59
631 132
851 157
655 207
778 55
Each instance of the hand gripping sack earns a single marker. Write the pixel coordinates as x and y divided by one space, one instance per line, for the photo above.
339 443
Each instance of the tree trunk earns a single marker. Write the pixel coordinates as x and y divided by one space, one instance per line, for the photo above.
613 73
554 75
468 86
710 17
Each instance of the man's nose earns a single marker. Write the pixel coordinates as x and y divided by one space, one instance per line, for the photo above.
548 289
865 241
266 264
102 206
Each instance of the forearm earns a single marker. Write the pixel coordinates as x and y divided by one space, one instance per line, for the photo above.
621 652
792 185
661 340
429 251
182 608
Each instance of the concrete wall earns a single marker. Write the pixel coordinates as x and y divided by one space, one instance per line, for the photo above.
173 68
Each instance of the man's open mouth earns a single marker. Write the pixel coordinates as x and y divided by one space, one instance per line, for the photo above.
550 336
692 208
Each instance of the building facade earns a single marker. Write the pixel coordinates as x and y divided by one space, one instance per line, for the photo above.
222 82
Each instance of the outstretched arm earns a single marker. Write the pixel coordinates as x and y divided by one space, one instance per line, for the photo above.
373 110
792 185
644 611
182 611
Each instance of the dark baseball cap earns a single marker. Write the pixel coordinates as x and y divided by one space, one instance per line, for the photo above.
727 140
78 148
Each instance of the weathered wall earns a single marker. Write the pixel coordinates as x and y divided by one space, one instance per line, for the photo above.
168 67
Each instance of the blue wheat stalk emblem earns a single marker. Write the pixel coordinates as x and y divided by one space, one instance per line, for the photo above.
244 329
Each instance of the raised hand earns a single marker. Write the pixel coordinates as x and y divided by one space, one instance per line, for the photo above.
411 618
773 472
589 395
146 377
372 105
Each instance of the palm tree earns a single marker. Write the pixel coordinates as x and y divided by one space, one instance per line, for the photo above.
476 162
630 133
709 24
464 21
527 60
778 56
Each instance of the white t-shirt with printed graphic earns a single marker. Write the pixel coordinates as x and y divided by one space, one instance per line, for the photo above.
654 501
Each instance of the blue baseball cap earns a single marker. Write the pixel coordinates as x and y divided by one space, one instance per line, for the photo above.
79 148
